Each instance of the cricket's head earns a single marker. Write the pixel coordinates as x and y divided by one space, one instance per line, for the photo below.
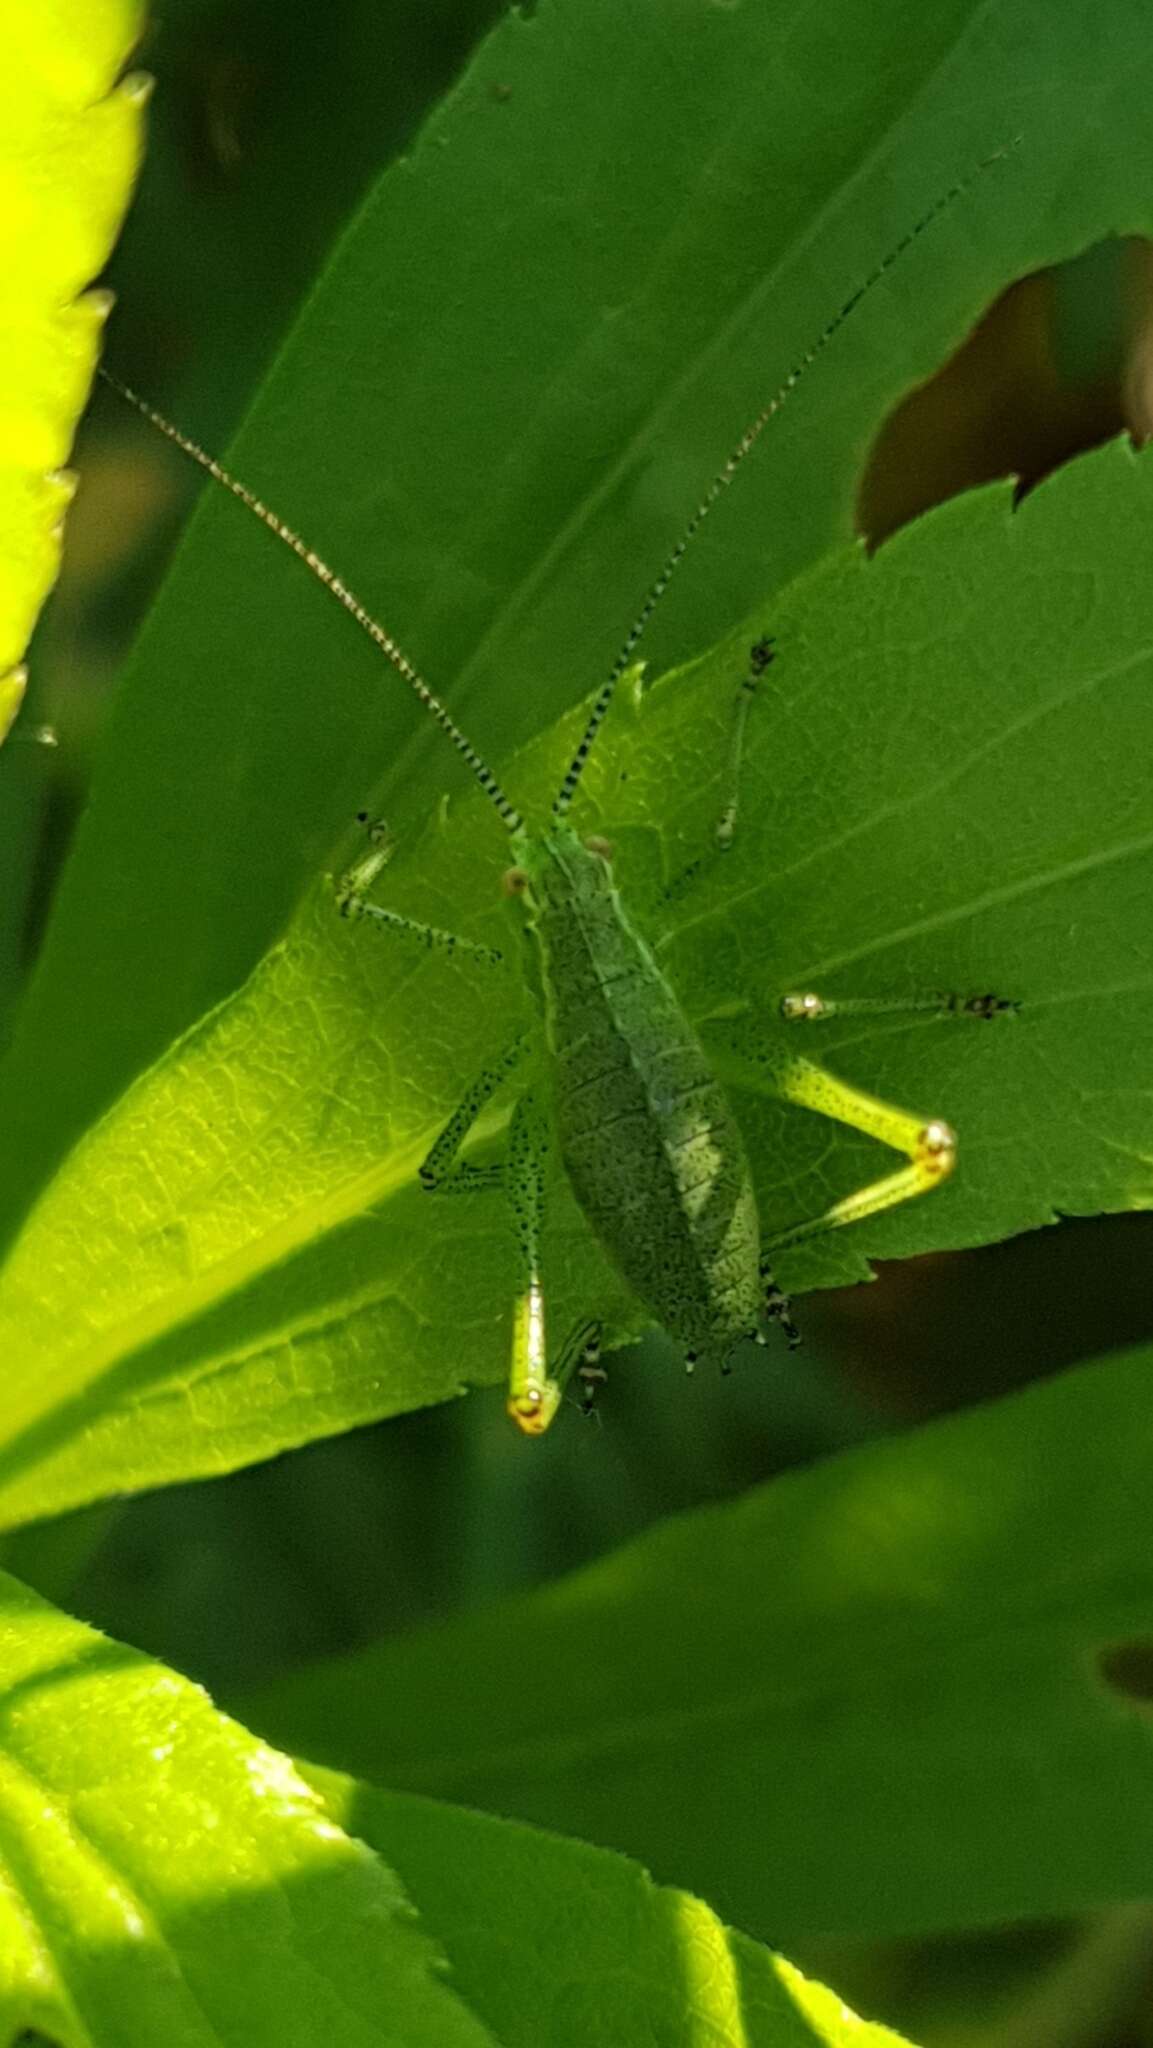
557 868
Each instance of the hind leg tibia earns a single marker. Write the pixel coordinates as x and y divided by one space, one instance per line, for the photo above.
928 1144
535 1389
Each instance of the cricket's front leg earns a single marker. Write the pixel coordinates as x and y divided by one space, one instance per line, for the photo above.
351 892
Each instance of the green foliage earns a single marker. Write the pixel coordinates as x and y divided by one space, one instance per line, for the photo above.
202 1284
853 1664
248 97
69 145
493 412
68 154
169 1879
542 330
572 1945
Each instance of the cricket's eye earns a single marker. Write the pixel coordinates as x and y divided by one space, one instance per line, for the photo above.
515 881
601 846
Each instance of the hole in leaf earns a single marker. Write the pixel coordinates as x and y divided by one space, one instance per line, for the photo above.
1127 1668
1062 361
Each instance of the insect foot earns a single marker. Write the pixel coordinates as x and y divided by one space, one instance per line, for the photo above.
780 1309
804 1009
533 1410
589 1371
810 1008
936 1152
987 1006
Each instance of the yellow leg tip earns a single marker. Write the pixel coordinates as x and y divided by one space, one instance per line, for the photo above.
937 1150
534 1409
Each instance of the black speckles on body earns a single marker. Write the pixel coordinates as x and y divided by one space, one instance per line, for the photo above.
648 1139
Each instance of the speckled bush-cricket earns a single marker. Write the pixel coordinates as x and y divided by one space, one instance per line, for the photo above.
618 1082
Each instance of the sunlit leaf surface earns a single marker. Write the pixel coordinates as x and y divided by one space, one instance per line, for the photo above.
164 1877
938 794
69 144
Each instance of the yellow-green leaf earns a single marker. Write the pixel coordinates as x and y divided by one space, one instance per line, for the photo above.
166 1878
70 141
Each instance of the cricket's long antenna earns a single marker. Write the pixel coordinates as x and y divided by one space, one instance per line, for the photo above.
744 446
339 590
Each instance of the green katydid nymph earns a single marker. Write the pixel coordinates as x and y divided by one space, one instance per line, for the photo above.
620 1088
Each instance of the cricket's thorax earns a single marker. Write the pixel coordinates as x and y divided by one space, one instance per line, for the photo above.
650 1144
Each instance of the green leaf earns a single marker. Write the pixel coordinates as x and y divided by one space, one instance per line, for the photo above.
167 1878
69 147
888 1694
70 138
962 809
170 1878
557 1945
503 399
242 192
12 688
936 794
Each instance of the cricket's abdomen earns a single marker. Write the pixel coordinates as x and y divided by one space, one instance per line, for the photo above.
649 1142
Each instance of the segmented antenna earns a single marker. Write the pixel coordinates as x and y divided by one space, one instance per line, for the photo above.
725 475
338 589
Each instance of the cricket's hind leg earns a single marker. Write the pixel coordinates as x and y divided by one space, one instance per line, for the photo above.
352 887
928 1144
536 1389
926 1141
